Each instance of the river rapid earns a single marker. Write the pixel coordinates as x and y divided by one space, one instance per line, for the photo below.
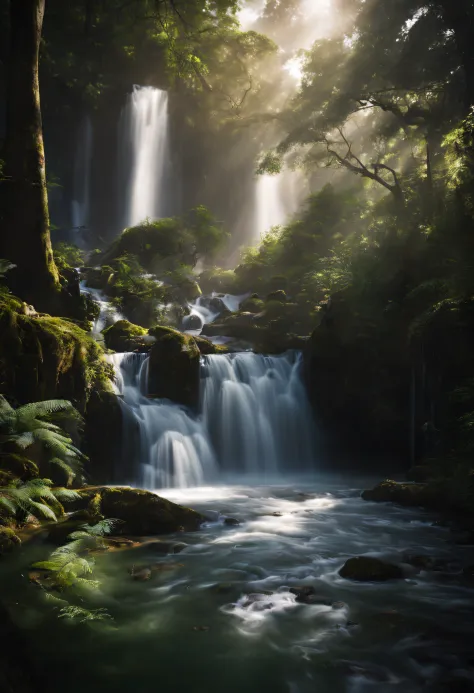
219 616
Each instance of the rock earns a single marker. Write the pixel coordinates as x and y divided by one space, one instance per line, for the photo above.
426 562
367 569
206 347
174 368
141 575
252 305
124 336
164 547
258 600
231 522
192 322
407 494
338 605
304 595
103 432
8 540
279 296
143 513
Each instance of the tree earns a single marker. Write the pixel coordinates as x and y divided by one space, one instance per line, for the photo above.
25 238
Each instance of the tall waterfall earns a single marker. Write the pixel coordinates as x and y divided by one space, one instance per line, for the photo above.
80 206
277 198
254 418
143 155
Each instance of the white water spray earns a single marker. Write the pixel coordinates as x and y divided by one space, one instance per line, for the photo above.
144 155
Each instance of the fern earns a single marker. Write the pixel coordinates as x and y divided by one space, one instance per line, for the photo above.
31 498
30 424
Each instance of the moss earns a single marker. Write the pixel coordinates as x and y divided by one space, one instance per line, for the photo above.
252 305
8 540
144 513
206 347
279 296
174 368
44 357
124 336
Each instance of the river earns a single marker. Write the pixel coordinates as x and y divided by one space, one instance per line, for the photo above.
193 626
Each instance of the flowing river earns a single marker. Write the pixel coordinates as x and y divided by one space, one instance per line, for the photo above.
219 616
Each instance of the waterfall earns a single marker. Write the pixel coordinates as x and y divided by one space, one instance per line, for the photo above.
80 206
143 155
277 198
108 314
254 418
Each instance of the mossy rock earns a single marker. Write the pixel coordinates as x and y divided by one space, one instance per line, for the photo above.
207 348
8 540
124 336
102 436
174 368
18 466
44 357
279 296
143 513
407 494
367 569
252 305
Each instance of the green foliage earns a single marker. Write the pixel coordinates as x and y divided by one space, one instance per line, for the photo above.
32 425
78 613
5 267
35 497
67 256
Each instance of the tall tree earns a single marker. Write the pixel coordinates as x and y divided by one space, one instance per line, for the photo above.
25 238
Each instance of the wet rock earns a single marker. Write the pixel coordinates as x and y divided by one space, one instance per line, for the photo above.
124 336
174 368
223 588
164 547
8 540
144 513
338 605
231 522
367 569
407 494
305 594
206 347
193 322
258 601
140 574
279 296
426 562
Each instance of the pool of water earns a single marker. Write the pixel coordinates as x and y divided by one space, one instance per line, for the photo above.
193 627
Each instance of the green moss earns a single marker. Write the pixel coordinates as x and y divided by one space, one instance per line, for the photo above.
44 357
206 347
8 540
144 513
124 336
252 305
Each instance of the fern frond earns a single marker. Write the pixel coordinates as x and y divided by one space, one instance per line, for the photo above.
84 615
66 494
5 407
44 510
45 408
24 440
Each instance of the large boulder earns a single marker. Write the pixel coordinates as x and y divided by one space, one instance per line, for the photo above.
174 367
253 304
407 494
143 513
103 436
207 348
367 569
124 336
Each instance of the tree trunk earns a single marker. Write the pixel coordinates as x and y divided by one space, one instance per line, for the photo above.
24 237
459 16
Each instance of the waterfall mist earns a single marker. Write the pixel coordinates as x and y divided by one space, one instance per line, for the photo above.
80 205
143 156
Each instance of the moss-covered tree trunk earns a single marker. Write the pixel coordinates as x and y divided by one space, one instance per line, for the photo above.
24 237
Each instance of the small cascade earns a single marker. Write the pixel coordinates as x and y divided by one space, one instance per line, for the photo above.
257 414
163 445
254 418
206 309
108 314
80 206
144 155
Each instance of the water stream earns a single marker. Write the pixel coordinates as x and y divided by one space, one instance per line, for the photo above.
193 626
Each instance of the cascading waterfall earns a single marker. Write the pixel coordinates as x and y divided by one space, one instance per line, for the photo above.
254 418
143 155
80 206
163 445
